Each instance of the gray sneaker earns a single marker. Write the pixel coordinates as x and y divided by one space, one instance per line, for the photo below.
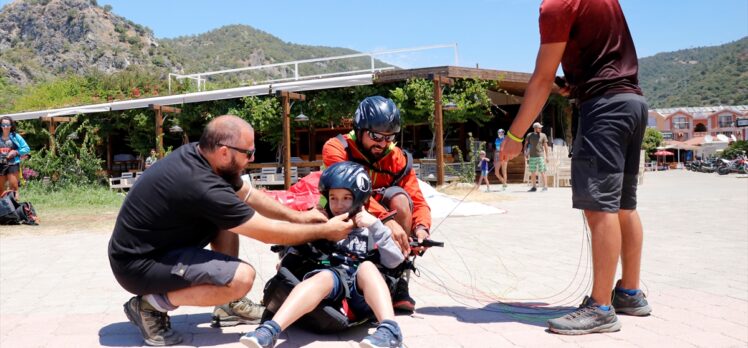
636 305
387 335
154 325
242 311
589 318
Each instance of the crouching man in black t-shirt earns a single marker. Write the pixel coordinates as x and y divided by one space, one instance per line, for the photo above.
192 198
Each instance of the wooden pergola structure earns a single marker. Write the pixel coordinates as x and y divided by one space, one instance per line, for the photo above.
513 82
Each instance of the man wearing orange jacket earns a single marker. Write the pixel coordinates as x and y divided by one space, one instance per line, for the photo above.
371 143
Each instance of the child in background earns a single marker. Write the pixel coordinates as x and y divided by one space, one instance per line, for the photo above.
484 171
346 186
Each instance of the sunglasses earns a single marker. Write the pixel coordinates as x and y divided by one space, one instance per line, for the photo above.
6 126
381 137
248 152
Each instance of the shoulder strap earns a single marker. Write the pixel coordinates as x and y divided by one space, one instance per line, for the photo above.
408 166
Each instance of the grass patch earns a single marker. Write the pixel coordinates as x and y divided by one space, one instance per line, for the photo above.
69 209
45 197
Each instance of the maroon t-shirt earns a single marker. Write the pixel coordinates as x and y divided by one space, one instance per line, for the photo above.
600 57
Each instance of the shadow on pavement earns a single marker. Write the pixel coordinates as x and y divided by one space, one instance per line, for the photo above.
530 313
297 337
194 328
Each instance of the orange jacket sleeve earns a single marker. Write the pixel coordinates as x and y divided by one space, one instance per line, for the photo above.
421 210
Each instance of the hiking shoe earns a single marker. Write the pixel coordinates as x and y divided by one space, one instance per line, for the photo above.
155 326
589 318
533 189
401 300
624 303
241 311
264 336
387 335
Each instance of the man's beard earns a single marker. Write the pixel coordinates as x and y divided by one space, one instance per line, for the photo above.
372 155
232 172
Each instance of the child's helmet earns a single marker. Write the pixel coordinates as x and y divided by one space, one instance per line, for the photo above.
350 176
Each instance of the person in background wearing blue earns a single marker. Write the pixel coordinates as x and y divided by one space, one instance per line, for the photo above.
12 148
483 171
499 166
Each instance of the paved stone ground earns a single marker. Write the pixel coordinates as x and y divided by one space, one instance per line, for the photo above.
494 284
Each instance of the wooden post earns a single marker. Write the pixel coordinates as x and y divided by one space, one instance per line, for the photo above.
52 129
286 97
439 126
160 124
159 133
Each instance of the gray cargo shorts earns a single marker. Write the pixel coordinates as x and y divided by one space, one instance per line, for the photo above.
605 162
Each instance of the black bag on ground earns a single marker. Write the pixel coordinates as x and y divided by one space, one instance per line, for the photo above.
15 213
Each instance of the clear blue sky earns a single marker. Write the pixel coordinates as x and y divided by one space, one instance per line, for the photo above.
498 34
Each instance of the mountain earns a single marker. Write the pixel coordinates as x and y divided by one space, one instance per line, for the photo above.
40 39
701 76
237 46
44 38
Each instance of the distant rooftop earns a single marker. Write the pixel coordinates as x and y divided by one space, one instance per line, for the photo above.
702 111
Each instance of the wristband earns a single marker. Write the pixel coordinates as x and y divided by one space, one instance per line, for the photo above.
513 137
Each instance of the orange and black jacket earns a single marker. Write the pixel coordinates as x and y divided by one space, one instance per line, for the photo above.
382 172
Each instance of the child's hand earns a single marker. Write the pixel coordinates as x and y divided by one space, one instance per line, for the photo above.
364 219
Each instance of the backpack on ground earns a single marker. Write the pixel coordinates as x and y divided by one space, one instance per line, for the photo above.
14 213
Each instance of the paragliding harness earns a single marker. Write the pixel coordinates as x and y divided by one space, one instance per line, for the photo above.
396 177
331 315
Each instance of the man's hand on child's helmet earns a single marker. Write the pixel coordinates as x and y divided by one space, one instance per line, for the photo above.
338 227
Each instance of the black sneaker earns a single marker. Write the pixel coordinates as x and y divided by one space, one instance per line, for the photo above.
589 318
401 300
155 326
388 335
533 189
242 311
265 336
636 305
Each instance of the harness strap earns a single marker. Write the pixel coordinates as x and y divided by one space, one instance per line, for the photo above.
396 177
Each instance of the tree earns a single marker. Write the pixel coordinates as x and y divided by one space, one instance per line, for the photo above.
652 139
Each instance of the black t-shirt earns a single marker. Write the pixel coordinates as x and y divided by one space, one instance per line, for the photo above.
178 202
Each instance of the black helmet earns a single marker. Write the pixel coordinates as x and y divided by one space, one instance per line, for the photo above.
378 114
350 176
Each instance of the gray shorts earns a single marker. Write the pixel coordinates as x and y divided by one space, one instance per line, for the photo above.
605 163
390 193
175 270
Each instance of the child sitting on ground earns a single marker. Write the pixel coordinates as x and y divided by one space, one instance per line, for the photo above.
346 186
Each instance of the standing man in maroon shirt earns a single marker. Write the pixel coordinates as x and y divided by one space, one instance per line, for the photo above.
591 40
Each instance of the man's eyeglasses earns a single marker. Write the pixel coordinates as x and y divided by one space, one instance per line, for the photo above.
248 152
381 137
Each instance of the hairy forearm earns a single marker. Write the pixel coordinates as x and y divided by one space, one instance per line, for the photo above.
272 232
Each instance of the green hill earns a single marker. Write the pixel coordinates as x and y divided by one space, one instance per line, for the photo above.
701 76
